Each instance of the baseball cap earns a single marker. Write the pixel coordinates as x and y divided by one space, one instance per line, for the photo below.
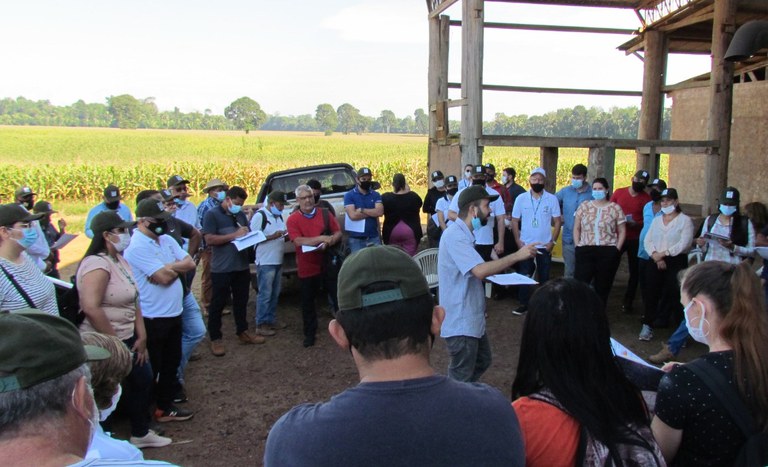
108 220
176 180
37 347
364 171
214 183
111 194
12 213
437 175
490 167
730 196
43 207
451 179
151 208
642 174
539 170
659 183
474 193
379 264
277 196
478 170
669 193
23 191
168 195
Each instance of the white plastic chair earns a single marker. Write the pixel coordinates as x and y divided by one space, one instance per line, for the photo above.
427 261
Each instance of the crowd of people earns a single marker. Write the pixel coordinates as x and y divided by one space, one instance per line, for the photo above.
572 402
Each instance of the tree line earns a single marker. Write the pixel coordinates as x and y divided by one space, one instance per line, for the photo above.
126 111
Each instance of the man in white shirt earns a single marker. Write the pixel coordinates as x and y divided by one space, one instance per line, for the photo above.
39 251
269 261
536 218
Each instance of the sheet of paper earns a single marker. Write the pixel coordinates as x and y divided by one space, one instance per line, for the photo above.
63 241
715 237
620 351
762 251
354 226
511 279
60 283
249 239
309 248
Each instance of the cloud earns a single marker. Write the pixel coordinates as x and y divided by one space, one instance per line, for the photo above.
393 22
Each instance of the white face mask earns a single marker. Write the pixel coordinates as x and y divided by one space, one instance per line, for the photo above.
668 209
440 183
504 179
124 239
104 414
697 332
467 174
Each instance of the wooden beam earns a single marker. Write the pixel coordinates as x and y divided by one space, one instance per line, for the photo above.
552 28
662 146
592 92
456 102
548 160
444 5
471 81
585 3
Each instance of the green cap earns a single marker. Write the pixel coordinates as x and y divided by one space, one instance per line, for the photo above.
176 180
474 193
379 264
37 347
108 220
151 207
23 191
12 213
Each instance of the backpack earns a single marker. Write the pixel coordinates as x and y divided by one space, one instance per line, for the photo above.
742 235
754 451
69 303
336 254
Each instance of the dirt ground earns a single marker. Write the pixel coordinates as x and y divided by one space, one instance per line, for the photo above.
238 397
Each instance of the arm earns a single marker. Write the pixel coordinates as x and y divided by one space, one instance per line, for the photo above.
441 220
622 228
88 219
667 437
213 239
499 246
577 228
92 287
489 268
516 231
195 239
555 233
453 215
140 346
354 212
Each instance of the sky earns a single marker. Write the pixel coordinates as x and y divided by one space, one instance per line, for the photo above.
292 55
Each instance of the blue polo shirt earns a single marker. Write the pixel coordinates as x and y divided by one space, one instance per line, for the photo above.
570 199
122 210
366 201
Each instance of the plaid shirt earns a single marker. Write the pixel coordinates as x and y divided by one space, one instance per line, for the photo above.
206 205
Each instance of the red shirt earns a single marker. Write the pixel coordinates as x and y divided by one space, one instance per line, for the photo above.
506 198
309 264
632 205
550 435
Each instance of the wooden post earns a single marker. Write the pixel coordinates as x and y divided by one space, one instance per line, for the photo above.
651 107
471 80
548 161
433 80
437 86
721 104
602 160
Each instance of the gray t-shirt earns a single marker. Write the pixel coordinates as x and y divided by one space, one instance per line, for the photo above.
225 258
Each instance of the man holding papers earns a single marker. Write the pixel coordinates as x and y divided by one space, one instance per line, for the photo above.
312 230
230 271
462 270
363 207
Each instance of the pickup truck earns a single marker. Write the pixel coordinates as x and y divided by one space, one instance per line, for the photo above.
335 179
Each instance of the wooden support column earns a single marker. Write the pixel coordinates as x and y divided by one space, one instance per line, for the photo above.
548 161
437 76
721 103
471 80
602 161
652 105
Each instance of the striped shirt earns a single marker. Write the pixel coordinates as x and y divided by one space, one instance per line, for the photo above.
32 281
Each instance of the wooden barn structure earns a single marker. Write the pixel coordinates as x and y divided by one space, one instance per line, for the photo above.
666 26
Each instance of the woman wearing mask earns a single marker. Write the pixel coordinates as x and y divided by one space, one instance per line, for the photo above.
441 208
109 299
667 243
598 233
728 236
466 180
724 310
402 222
22 283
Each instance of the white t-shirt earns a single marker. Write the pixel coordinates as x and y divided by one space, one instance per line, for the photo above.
269 252
443 204
484 236
536 216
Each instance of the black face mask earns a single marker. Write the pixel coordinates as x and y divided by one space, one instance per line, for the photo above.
317 199
158 227
655 195
28 204
366 185
537 187
637 187
452 191
113 205
478 181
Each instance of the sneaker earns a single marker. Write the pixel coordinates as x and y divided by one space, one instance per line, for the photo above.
217 348
246 338
195 356
664 355
150 440
173 414
520 311
646 333
265 330
277 325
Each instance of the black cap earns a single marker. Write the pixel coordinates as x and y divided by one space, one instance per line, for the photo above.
43 207
730 196
437 175
176 180
12 213
451 179
168 195
658 183
112 194
490 167
478 170
670 193
108 220
151 207
474 193
642 175
364 171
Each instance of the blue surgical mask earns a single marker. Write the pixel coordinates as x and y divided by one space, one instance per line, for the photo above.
275 211
727 210
598 195
476 224
235 209
221 195
576 183
179 202
29 238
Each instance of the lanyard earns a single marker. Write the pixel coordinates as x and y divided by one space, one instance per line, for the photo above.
534 220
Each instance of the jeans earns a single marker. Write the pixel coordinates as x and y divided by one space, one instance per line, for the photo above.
137 391
631 246
238 284
470 357
310 286
164 346
677 339
526 268
358 243
569 259
269 291
597 265
192 331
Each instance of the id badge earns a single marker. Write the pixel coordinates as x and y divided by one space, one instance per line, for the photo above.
535 223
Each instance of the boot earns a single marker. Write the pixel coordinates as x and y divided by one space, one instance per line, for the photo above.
664 355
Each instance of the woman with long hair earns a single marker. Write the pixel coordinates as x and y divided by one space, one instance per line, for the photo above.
402 221
724 310
573 401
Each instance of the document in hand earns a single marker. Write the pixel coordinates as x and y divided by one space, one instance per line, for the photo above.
63 241
249 239
308 248
511 279
354 226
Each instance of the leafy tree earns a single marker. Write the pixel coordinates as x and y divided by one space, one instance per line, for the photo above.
421 122
126 111
326 118
246 114
349 118
387 120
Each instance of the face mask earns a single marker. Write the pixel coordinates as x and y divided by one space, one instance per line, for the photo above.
727 210
158 227
124 239
365 185
452 191
478 223
598 195
104 414
655 195
179 202
637 187
440 183
29 204
668 209
467 174
537 187
221 195
29 238
317 199
113 205
504 179
697 333
478 181
275 211
235 209
576 183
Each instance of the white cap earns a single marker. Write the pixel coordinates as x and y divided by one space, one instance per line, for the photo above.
539 170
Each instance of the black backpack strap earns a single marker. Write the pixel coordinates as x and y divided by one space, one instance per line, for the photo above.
326 221
728 396
18 288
